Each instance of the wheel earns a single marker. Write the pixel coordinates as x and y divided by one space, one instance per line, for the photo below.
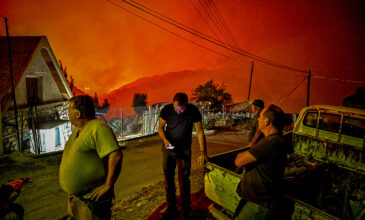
14 212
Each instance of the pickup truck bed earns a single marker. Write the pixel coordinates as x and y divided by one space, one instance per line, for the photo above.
311 190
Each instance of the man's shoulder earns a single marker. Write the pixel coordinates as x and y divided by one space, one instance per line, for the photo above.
97 124
276 140
167 107
276 137
192 107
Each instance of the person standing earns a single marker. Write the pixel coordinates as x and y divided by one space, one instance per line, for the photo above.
175 129
264 164
255 134
91 163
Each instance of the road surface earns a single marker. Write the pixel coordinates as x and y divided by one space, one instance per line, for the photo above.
142 165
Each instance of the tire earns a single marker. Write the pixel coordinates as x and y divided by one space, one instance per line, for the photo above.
14 212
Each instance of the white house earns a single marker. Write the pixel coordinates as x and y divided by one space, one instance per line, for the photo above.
42 93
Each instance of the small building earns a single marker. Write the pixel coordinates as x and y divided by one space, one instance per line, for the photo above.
41 93
240 107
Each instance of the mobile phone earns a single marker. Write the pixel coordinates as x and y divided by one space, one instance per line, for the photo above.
170 147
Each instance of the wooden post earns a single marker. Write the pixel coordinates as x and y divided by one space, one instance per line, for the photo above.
249 87
149 119
1 134
308 86
224 119
121 119
12 85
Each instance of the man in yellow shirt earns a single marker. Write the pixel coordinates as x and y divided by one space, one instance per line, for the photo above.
91 163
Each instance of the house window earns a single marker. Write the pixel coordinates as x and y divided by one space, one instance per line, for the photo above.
32 91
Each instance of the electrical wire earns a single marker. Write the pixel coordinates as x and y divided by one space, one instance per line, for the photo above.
336 79
226 29
210 14
224 24
214 51
203 18
224 45
172 20
291 92
238 51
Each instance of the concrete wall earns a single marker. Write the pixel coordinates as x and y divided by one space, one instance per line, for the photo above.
44 113
47 88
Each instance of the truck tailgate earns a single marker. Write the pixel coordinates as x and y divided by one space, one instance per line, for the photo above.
222 178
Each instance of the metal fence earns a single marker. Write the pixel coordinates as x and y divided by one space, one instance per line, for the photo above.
126 124
213 120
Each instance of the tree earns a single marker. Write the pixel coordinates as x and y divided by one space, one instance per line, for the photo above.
140 103
213 93
104 108
96 101
64 71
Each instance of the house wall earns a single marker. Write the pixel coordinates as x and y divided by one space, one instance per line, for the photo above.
47 88
44 113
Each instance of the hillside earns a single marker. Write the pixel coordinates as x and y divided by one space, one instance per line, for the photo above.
270 84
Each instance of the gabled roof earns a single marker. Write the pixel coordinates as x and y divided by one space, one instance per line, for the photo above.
22 49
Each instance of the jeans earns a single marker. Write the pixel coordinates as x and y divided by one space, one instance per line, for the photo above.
183 160
85 209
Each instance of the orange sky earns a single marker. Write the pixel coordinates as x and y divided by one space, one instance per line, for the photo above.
105 47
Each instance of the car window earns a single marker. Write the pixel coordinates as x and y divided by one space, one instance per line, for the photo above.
329 122
354 127
310 119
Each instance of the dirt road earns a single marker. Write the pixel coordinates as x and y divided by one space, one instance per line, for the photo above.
142 165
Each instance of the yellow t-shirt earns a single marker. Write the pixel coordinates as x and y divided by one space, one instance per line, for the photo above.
82 168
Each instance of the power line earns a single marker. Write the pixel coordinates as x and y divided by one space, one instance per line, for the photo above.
337 79
205 21
291 92
222 44
216 23
172 20
167 30
238 51
230 39
210 14
224 24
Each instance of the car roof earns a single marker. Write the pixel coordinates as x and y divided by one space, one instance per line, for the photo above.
343 109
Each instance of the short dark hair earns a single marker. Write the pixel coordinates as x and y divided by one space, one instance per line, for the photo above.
276 116
181 98
85 104
258 103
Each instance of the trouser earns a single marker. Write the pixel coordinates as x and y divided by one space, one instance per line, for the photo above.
80 208
183 160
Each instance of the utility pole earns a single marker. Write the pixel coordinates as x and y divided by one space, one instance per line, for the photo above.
12 84
249 87
308 86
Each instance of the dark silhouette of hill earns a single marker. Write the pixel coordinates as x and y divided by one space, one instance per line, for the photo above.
273 85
